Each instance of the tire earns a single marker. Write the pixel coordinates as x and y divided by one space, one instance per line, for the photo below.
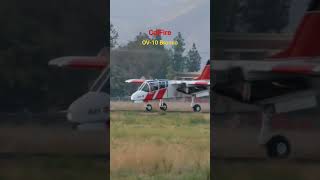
196 108
278 147
164 107
148 108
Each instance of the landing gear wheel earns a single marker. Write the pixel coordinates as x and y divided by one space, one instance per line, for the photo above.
148 107
196 108
164 107
278 147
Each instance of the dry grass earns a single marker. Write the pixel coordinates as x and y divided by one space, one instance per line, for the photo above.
64 153
160 145
241 144
265 170
56 168
42 139
155 158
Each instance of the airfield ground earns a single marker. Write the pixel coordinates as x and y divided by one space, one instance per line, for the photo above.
244 169
237 154
154 145
160 145
173 106
51 152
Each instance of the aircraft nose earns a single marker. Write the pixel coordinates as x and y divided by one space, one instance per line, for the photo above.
134 96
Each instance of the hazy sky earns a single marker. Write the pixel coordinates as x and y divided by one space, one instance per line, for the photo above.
190 17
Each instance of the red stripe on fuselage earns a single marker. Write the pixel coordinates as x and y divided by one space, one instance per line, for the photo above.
161 93
201 83
149 96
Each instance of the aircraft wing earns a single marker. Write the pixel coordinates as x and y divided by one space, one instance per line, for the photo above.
266 69
199 88
284 83
135 81
80 62
192 83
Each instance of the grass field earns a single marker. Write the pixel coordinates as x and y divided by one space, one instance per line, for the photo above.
160 145
266 170
52 153
53 168
241 157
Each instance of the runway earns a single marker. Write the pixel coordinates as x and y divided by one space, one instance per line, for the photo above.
159 111
173 106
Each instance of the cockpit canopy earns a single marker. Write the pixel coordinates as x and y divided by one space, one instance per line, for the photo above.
102 84
153 85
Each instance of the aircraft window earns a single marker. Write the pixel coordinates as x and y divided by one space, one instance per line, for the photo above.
162 84
100 80
154 86
145 88
106 86
166 83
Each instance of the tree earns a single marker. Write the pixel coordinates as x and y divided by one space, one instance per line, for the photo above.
225 14
25 49
135 60
178 60
265 15
113 36
193 59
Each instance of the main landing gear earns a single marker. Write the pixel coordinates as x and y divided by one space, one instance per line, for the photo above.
163 106
195 107
277 146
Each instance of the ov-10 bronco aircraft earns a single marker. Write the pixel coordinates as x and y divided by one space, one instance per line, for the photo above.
160 89
285 82
91 110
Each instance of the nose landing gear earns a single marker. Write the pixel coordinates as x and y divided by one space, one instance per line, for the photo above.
148 107
277 146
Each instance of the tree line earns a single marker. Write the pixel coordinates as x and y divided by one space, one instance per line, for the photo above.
34 32
135 60
263 16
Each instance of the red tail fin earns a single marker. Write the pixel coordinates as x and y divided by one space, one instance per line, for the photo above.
306 42
205 75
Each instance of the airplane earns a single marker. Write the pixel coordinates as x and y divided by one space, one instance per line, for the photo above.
287 81
91 110
160 89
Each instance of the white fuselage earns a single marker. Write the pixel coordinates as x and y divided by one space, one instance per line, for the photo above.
157 90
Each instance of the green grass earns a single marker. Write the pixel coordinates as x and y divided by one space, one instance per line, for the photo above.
160 145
